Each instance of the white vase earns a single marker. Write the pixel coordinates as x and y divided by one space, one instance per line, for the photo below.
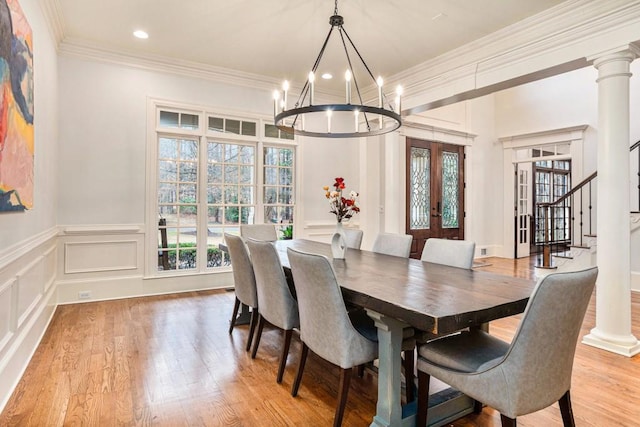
339 243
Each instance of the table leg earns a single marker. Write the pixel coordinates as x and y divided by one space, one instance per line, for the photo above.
445 406
389 408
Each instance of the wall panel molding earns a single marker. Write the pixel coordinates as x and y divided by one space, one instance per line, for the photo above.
99 256
7 314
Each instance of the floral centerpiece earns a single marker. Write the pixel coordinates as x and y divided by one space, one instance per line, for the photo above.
342 207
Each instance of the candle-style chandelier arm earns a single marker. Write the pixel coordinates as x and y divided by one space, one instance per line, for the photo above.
353 74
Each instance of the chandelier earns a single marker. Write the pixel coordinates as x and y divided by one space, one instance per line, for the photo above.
364 120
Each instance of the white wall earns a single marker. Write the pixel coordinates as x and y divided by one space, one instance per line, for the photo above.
27 239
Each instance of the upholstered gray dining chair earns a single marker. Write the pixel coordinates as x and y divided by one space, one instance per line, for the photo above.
325 326
354 237
277 305
532 372
245 282
455 253
393 244
265 232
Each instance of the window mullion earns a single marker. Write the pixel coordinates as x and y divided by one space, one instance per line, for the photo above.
202 234
259 165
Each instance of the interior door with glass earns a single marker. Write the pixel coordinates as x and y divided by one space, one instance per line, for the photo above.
435 192
523 209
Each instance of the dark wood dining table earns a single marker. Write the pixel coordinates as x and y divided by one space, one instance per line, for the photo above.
399 292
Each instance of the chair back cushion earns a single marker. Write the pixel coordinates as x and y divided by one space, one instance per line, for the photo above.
277 305
393 244
265 232
324 324
454 253
354 237
243 277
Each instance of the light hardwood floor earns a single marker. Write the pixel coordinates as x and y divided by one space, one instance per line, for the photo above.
169 361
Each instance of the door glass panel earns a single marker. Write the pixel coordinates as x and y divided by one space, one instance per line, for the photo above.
420 203
450 190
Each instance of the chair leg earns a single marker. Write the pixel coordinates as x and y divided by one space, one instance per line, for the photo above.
232 323
345 380
407 363
360 369
566 411
285 352
252 326
256 341
507 422
423 399
477 407
303 359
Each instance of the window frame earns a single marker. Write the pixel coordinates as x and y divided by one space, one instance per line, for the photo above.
204 136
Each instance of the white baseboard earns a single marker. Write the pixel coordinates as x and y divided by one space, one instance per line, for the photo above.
108 288
484 251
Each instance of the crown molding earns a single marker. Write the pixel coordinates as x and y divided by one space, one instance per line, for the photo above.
55 19
83 49
556 40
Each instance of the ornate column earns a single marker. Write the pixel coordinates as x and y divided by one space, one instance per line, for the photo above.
613 292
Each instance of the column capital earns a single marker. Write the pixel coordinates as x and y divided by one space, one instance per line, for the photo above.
627 53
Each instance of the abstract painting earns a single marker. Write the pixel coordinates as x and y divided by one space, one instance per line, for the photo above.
16 109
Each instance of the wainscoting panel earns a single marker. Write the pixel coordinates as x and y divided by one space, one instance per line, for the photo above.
28 271
92 257
7 323
99 262
30 288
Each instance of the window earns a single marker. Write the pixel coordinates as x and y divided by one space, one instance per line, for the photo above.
211 176
278 185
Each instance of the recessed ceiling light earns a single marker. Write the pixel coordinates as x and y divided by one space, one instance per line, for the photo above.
141 34
327 76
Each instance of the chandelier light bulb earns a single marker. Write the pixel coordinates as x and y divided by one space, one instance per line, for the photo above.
312 78
276 98
379 82
285 89
329 113
398 95
347 77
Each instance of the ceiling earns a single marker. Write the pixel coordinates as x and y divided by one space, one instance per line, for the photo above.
280 39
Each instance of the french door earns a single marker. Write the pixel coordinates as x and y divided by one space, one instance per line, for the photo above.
435 192
523 209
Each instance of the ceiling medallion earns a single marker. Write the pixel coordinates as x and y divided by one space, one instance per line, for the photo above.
293 120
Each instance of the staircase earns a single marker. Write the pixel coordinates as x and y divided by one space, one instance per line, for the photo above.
581 257
582 241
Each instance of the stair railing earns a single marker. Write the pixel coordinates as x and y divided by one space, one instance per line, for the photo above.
581 197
